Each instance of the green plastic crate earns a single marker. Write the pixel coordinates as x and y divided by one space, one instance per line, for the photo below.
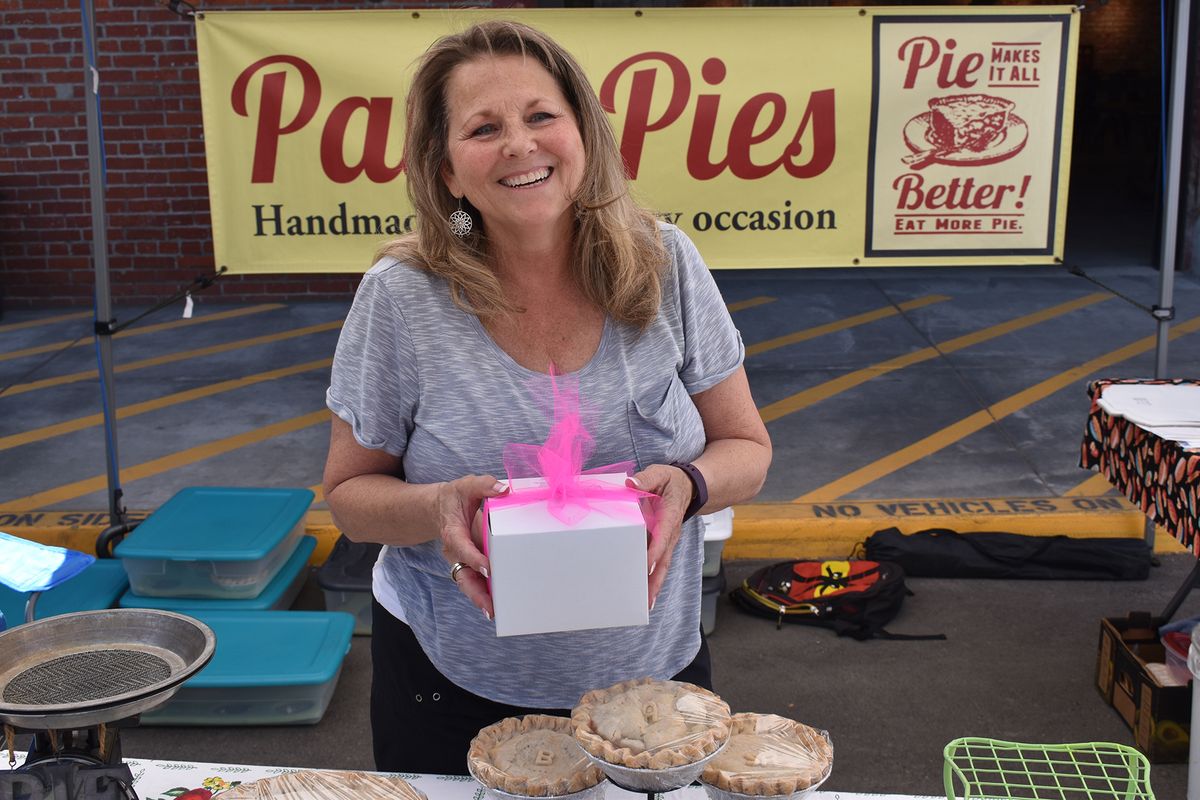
989 769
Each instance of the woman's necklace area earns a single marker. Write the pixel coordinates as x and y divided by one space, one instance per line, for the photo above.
560 333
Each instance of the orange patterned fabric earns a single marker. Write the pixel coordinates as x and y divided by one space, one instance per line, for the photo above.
1159 476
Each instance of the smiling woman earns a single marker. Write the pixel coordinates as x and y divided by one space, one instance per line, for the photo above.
515 151
446 357
555 115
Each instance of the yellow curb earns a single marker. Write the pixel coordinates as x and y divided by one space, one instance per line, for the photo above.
760 530
78 530
823 530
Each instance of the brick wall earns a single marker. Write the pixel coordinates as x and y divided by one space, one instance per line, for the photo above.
157 197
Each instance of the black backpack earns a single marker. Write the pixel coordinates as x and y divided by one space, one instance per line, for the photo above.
855 598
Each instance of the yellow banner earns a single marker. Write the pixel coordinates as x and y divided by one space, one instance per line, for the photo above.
793 137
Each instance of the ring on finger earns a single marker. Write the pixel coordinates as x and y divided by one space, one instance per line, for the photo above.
457 568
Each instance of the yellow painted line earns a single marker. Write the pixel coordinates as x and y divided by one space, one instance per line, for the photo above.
760 530
753 302
162 326
33 323
827 389
843 324
1020 323
981 419
173 461
81 423
171 358
1094 485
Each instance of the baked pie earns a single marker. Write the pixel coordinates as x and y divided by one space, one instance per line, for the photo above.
770 756
534 756
651 724
968 121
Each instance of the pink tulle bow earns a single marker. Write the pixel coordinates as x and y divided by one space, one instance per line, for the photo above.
568 495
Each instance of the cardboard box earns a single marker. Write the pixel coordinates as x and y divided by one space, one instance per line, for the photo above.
1159 715
548 577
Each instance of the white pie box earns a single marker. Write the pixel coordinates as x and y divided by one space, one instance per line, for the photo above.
547 576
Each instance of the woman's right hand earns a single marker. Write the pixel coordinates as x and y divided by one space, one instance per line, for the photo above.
458 512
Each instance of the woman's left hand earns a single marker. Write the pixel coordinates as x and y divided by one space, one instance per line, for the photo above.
674 489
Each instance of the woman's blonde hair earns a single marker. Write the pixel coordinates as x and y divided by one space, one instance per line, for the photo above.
617 253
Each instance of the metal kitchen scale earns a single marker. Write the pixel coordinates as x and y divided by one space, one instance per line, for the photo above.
73 681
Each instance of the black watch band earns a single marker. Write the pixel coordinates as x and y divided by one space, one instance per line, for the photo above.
699 489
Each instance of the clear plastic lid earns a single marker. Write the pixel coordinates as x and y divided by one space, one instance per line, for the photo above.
651 724
214 523
325 785
769 755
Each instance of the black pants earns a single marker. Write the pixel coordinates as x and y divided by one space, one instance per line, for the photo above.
421 722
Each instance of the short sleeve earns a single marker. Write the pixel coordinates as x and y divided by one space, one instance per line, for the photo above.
374 383
712 345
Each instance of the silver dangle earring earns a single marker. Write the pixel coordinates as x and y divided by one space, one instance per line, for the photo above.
460 221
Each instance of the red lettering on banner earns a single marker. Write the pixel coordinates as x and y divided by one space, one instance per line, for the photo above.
705 124
755 124
818 116
958 193
922 52
637 117
333 137
270 109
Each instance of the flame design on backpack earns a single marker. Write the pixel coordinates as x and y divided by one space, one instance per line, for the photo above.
835 576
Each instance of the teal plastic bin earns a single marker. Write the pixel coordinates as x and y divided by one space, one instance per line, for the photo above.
223 543
97 587
270 668
278 596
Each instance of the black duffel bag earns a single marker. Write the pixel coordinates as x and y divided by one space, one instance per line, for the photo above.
943 553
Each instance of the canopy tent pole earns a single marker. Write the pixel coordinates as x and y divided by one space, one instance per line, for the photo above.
104 322
1164 312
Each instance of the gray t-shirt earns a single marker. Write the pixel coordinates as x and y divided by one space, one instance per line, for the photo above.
419 378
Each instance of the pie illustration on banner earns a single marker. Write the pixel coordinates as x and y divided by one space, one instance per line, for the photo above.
964 130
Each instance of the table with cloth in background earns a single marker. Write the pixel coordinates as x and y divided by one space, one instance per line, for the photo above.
1161 476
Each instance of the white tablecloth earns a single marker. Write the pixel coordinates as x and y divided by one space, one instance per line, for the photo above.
186 780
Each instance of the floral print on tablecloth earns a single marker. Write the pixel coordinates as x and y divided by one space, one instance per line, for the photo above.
210 787
1159 476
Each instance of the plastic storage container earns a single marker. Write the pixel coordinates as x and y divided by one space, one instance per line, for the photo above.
1175 645
97 587
224 543
345 578
278 596
711 589
718 528
270 668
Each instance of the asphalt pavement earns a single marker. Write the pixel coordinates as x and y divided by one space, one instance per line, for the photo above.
912 397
